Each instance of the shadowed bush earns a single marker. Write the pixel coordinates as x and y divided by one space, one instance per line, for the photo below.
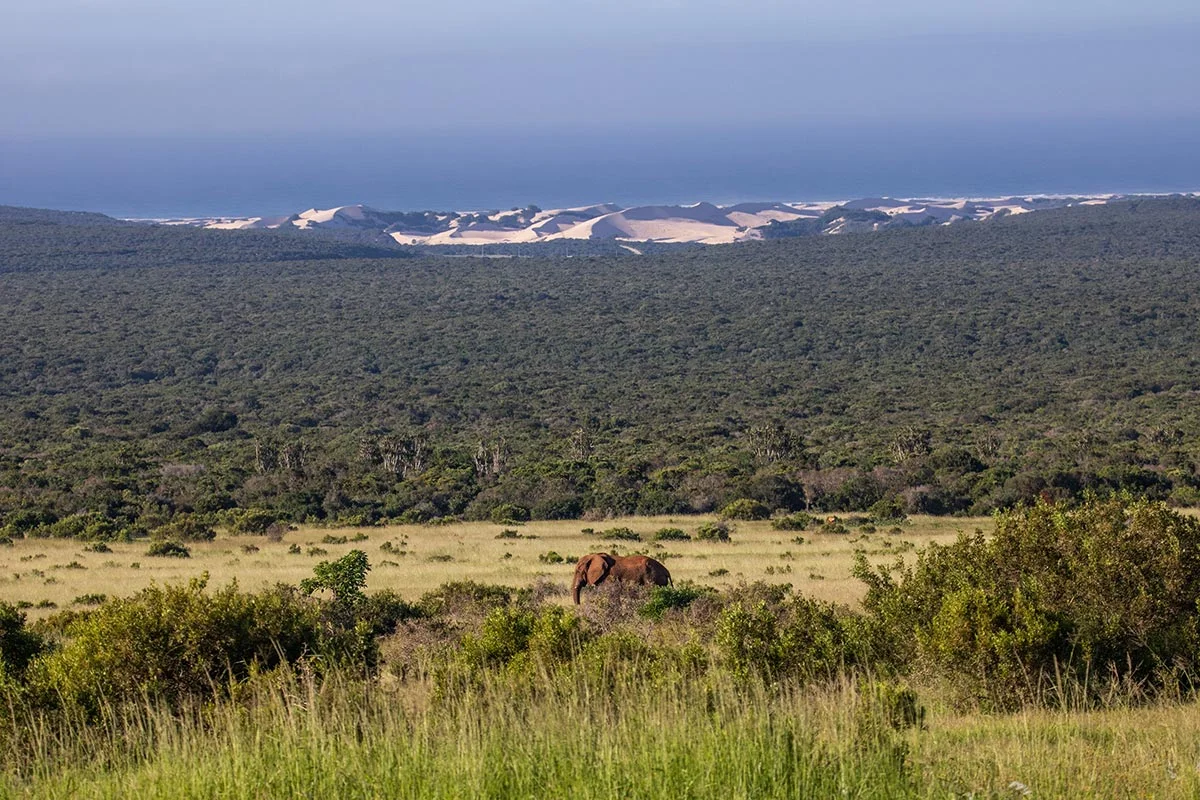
1100 594
177 642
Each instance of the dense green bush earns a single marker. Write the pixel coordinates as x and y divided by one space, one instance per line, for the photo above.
460 597
746 509
804 639
671 535
1102 592
89 526
186 528
718 531
620 534
664 598
798 521
175 642
169 549
18 645
257 521
507 513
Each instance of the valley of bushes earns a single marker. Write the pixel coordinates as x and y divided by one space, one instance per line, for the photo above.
1043 369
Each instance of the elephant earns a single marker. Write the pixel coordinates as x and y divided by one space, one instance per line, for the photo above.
595 568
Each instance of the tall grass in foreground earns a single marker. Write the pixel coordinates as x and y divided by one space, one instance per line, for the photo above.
349 739
623 736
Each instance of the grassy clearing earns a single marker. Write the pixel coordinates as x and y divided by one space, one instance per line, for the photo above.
419 558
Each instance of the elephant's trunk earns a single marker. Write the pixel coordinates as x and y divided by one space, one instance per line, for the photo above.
579 581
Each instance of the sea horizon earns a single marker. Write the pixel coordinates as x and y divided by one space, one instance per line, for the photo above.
165 177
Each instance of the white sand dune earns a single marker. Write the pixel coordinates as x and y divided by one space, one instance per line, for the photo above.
702 222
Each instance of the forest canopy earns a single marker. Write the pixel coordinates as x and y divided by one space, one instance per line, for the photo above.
149 372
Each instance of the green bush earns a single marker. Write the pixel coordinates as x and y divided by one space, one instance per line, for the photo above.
798 521
174 642
671 535
718 531
804 639
18 645
746 509
1060 597
890 509
89 526
464 596
664 598
551 557
344 578
254 521
620 534
833 525
168 549
186 528
504 634
509 513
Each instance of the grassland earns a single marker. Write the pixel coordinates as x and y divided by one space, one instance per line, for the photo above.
589 727
413 559
636 738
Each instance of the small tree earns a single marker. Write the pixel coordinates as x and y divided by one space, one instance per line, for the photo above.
345 578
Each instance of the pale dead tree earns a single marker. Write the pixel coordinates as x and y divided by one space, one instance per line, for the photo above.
771 442
490 459
266 456
579 446
368 451
911 442
293 457
403 456
987 445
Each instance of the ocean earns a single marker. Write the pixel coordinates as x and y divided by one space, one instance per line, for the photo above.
474 169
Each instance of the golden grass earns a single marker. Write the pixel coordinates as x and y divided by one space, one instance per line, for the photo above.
41 571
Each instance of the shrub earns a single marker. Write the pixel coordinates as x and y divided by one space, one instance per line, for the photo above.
97 547
551 557
175 642
718 531
504 634
90 599
620 534
90 526
329 538
344 578
833 525
1106 591
509 513
671 535
746 509
18 645
24 521
384 611
798 521
168 549
186 528
804 638
664 598
460 596
890 510
255 521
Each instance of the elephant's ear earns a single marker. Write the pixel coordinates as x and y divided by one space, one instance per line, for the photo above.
598 567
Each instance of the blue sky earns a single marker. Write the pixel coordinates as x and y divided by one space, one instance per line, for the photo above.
142 107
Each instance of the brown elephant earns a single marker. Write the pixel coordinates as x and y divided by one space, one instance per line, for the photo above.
596 568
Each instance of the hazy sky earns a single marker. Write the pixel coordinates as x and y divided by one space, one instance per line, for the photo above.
150 67
159 107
